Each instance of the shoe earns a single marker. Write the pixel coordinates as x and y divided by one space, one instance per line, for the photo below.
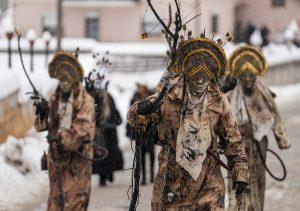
102 181
110 177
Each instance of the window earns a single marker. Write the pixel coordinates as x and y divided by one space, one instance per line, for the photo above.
49 22
151 25
215 24
3 5
91 27
278 3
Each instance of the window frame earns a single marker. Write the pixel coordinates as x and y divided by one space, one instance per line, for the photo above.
277 4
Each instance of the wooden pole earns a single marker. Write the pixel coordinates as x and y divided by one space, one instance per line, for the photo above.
59 24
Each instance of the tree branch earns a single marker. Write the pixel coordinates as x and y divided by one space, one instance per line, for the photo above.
159 19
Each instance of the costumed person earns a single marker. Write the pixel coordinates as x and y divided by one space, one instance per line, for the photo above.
256 113
189 168
148 146
114 161
107 120
69 118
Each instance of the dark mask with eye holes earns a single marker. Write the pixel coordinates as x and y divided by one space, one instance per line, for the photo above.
248 81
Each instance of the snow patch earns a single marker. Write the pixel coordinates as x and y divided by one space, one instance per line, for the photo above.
20 169
287 93
6 85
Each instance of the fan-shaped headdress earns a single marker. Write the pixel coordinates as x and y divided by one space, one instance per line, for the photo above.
247 58
64 63
201 54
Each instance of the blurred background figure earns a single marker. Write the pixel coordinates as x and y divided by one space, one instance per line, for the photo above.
148 147
107 120
114 159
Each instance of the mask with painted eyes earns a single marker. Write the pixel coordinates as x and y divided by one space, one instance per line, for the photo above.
248 81
198 83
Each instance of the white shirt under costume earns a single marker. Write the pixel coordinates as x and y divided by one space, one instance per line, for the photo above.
65 111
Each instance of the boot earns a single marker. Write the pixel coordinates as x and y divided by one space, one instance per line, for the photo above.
102 181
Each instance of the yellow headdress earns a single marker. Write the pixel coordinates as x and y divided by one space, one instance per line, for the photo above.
247 58
64 63
201 54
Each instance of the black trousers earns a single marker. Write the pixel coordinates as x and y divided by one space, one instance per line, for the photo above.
144 152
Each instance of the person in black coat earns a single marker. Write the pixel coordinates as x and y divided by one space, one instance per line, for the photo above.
148 139
108 138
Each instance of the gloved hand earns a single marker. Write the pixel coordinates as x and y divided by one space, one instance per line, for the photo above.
89 85
144 107
284 145
42 108
240 188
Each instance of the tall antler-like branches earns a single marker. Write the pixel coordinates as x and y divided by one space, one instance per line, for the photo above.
169 33
159 19
168 38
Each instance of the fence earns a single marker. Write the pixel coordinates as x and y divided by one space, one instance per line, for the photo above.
133 63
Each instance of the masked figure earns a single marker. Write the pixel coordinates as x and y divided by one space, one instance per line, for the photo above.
190 178
107 137
255 111
107 120
70 124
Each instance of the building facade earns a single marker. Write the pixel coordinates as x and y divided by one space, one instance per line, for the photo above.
126 20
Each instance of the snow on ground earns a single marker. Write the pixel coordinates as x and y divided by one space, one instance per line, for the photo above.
22 182
275 54
279 54
286 94
6 85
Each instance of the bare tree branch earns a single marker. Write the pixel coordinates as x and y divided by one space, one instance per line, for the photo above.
178 13
159 19
191 19
169 25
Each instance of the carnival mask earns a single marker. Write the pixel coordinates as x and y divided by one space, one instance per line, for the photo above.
248 80
65 83
198 83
